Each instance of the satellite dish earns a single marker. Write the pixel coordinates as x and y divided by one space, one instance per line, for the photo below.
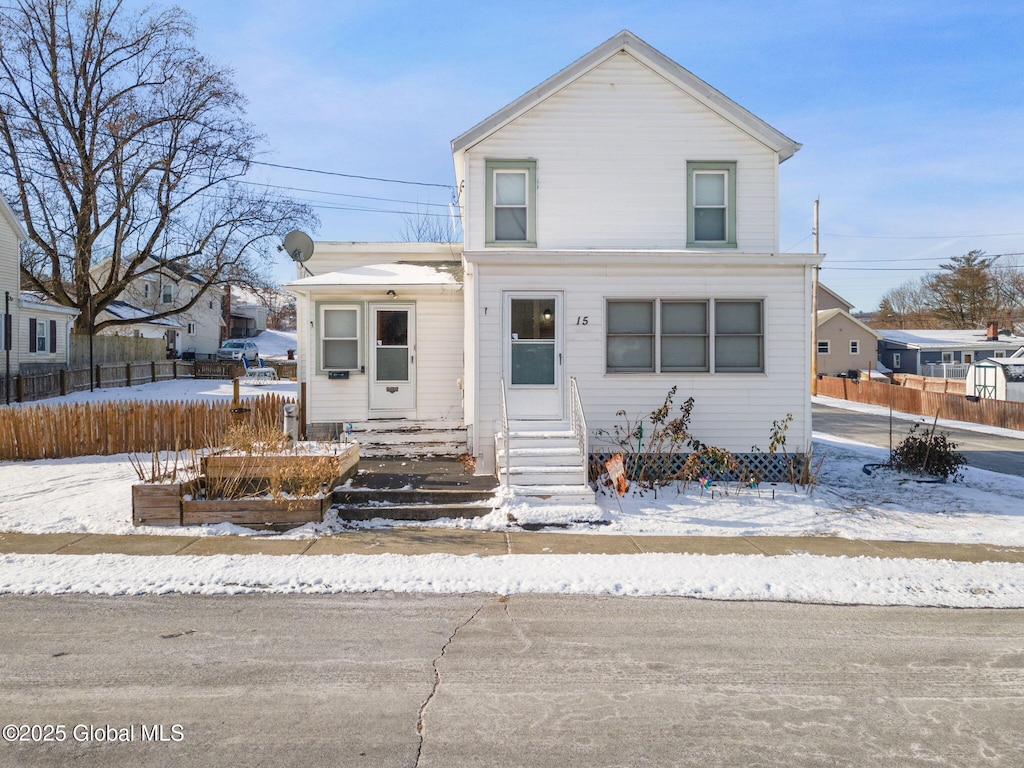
298 245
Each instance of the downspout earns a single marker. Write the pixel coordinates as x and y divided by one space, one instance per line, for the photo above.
8 330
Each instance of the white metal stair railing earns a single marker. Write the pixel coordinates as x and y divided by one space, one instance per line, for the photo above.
578 424
503 447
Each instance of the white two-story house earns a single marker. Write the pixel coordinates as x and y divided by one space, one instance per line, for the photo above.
621 238
158 289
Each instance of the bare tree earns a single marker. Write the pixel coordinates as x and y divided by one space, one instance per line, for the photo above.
428 227
906 306
120 141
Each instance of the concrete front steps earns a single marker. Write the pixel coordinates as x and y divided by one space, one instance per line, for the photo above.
411 488
542 460
409 437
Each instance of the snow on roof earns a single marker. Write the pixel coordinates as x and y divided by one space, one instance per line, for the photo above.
122 310
940 339
43 304
395 273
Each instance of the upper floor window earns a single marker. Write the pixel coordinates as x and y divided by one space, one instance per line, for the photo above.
510 202
854 347
167 294
711 204
145 290
824 347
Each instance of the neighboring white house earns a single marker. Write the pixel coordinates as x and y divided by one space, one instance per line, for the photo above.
33 331
997 378
621 238
247 316
199 329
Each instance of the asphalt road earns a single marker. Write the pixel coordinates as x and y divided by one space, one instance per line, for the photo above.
992 452
478 680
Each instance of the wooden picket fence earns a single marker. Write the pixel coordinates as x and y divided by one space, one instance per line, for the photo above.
910 399
105 428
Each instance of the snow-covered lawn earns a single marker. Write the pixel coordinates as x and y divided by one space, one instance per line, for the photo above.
93 494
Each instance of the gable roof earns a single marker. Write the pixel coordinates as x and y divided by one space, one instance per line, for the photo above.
629 43
8 213
839 299
825 315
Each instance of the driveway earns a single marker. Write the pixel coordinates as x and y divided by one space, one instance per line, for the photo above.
992 452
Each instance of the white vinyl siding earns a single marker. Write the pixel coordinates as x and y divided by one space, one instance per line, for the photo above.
732 410
612 150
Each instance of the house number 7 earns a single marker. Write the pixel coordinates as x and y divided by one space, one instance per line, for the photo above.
582 320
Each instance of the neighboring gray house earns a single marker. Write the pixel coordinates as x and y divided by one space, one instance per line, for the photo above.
943 353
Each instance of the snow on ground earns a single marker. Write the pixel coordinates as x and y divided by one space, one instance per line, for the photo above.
276 343
93 494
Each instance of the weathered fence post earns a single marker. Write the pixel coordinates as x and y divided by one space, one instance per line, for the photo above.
128 374
63 376
152 371
99 376
19 382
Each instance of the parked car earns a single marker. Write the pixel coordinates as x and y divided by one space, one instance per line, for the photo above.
236 349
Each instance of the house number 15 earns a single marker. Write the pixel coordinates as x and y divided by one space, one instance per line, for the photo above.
582 320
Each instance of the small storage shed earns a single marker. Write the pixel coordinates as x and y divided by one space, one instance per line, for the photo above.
997 378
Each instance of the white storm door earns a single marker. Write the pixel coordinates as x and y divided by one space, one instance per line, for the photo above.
392 358
532 355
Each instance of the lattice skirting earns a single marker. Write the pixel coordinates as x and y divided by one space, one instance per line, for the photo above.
767 468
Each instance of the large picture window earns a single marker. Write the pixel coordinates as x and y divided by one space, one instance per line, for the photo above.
339 338
676 336
711 204
510 202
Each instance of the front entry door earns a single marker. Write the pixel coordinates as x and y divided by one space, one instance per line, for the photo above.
393 360
532 355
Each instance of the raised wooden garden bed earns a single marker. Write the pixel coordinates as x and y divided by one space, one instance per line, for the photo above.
182 503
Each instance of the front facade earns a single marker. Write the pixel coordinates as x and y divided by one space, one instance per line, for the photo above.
621 234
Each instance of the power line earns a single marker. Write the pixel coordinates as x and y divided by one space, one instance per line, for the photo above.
924 237
449 187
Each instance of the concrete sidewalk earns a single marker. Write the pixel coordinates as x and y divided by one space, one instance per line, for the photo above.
422 541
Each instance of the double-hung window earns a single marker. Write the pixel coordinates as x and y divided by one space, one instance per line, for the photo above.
510 202
339 338
167 294
854 347
711 204
824 347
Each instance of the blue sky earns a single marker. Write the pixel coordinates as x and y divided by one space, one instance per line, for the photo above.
911 114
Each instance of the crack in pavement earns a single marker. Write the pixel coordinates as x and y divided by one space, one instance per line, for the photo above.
437 683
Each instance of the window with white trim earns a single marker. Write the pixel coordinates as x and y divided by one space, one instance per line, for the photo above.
145 290
339 338
854 346
711 204
167 294
191 329
42 336
824 347
897 360
675 336
510 202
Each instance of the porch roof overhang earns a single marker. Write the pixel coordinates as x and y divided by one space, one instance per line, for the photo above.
387 275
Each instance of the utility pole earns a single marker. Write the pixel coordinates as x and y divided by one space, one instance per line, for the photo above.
814 309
